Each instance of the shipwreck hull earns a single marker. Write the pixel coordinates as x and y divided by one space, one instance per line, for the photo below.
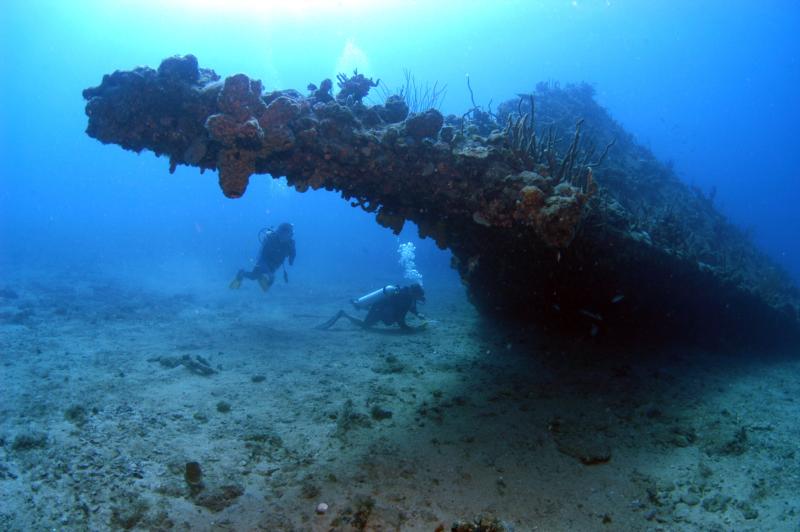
563 242
607 288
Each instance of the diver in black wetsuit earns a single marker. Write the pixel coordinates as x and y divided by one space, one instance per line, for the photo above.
276 247
390 309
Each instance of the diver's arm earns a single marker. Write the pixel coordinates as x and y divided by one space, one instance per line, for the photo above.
292 252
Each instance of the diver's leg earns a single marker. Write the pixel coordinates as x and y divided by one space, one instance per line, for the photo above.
328 324
341 314
355 321
265 280
237 281
373 316
253 275
257 274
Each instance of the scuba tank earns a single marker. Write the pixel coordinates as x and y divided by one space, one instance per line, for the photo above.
380 294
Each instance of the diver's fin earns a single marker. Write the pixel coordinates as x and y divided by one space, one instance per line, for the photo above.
328 324
235 284
264 282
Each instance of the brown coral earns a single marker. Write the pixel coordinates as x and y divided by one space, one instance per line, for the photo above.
516 223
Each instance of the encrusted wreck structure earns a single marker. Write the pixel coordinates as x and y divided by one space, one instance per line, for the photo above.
553 214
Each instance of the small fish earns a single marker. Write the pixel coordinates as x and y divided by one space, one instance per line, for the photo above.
617 298
592 315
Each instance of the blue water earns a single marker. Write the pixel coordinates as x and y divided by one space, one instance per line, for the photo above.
110 268
710 86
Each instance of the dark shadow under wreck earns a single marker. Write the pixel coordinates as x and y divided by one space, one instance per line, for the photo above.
575 228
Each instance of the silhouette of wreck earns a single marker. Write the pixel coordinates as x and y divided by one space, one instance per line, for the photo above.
554 215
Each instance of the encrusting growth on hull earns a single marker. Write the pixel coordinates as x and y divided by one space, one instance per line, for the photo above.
538 228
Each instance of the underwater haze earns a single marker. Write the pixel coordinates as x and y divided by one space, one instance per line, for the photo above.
126 355
706 85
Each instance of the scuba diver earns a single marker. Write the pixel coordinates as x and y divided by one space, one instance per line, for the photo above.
276 247
389 305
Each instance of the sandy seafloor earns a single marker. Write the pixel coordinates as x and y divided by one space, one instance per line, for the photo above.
393 432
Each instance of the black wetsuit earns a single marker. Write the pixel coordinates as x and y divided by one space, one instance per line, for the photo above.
273 252
391 310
